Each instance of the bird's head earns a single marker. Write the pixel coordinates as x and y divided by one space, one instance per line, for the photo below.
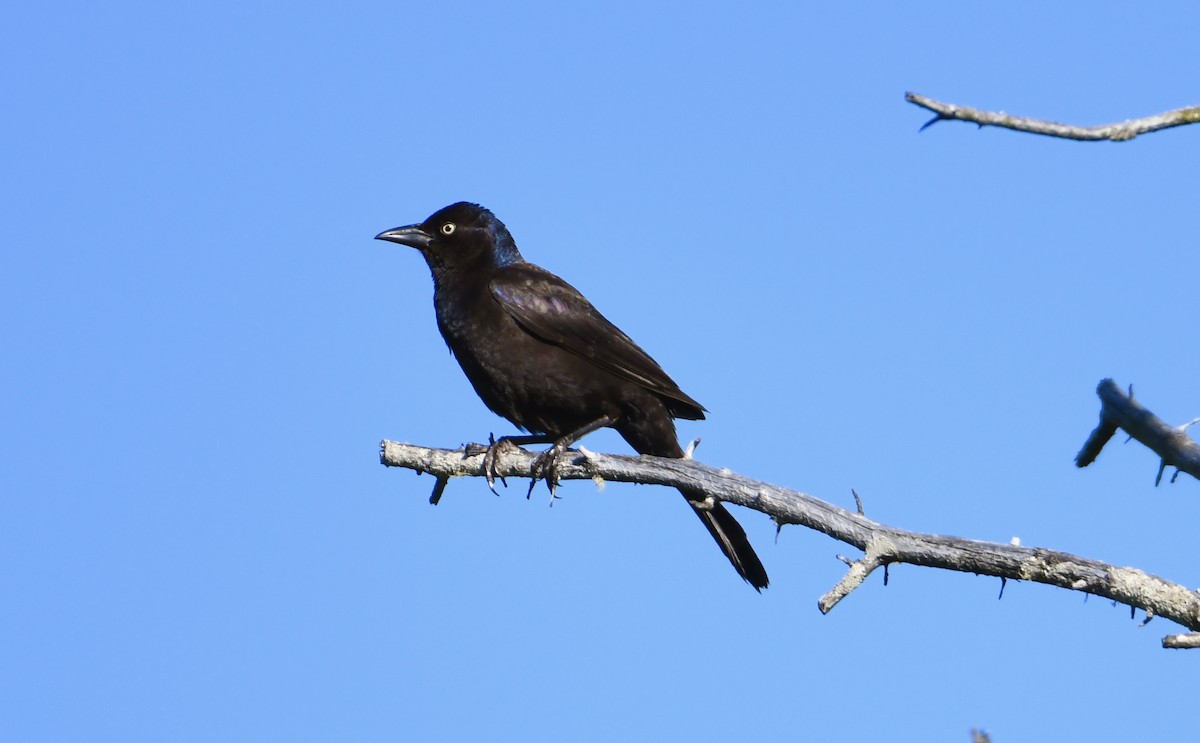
461 235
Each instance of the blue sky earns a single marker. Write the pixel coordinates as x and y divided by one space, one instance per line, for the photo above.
204 347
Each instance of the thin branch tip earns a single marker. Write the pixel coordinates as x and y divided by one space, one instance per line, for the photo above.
1119 132
930 123
1184 641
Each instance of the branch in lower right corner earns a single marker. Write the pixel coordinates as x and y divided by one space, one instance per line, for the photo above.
1185 641
1120 410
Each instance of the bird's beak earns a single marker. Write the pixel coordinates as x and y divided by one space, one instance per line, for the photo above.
412 236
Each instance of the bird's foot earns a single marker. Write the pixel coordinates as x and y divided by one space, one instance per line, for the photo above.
494 448
545 467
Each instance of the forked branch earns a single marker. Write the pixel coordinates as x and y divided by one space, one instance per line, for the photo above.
882 544
1119 410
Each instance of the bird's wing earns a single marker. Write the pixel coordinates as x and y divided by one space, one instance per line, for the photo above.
554 311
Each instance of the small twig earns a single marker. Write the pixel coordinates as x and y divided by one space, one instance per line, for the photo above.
854 577
1119 410
1121 132
882 544
439 487
1188 640
1096 440
980 736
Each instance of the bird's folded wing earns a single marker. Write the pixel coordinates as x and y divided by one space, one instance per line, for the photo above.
554 311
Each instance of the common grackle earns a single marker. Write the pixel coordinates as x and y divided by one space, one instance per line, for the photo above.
539 354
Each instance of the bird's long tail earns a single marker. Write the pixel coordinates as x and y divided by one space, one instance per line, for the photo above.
655 435
730 537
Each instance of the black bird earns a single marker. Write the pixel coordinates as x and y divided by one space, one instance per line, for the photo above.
539 354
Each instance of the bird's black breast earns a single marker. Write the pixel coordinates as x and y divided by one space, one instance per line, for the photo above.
533 384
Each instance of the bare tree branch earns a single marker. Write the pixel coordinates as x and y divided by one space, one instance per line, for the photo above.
881 544
1121 132
1119 410
1185 641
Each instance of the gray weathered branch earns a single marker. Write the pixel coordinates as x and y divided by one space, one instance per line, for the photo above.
1120 132
1184 641
1119 410
882 544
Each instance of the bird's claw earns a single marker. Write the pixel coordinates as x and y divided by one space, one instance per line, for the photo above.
489 460
545 467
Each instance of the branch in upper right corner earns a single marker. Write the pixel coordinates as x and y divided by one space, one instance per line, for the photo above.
1119 132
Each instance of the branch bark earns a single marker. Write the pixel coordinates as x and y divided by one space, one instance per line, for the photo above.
1120 132
882 544
1119 410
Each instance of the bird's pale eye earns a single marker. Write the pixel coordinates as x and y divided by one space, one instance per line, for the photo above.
448 228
